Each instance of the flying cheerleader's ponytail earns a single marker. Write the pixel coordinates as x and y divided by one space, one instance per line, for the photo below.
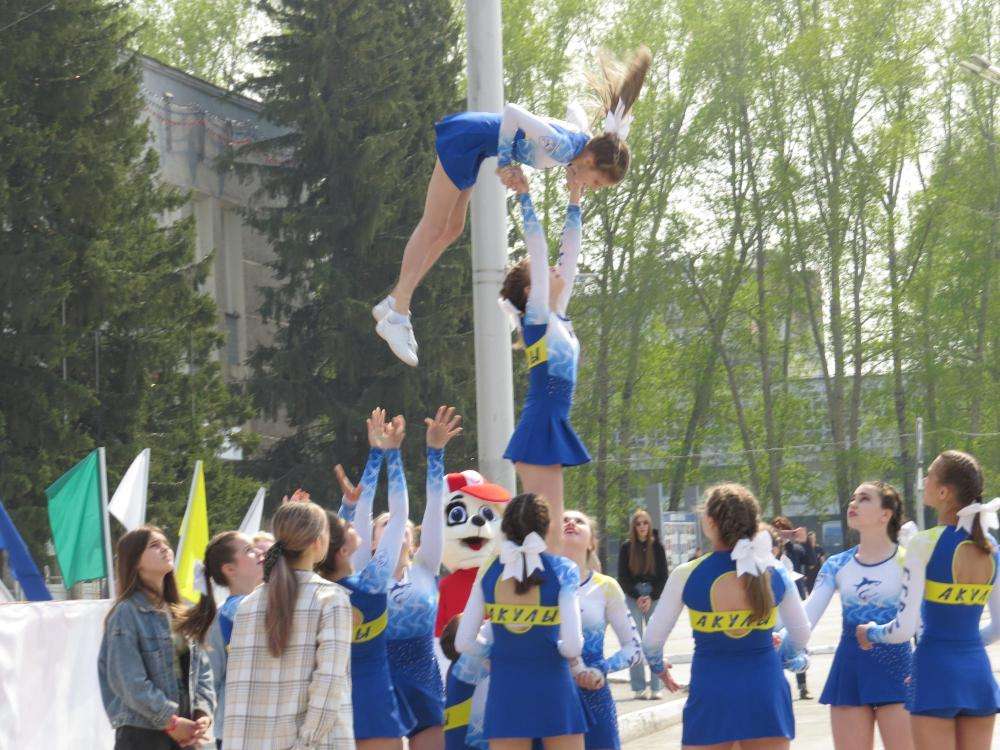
617 87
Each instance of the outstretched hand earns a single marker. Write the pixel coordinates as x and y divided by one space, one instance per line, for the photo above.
348 489
299 496
668 682
376 427
443 427
395 431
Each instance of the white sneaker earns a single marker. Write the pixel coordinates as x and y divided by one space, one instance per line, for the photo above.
382 309
397 330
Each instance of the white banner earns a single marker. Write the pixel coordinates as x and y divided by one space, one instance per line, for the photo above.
49 694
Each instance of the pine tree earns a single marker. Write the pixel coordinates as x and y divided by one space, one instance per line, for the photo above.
105 338
360 85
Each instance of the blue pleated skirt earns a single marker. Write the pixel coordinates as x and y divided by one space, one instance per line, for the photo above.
737 696
952 678
463 142
867 678
417 679
532 697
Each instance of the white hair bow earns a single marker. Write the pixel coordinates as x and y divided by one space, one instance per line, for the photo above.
512 313
753 556
618 121
987 513
520 561
200 582
906 533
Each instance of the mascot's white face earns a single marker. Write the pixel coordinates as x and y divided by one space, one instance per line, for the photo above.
472 514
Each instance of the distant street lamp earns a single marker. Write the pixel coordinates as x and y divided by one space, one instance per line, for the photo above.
980 66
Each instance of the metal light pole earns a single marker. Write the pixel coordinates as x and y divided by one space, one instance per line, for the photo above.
918 503
494 382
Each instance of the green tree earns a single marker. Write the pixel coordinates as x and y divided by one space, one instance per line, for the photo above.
105 337
360 87
206 38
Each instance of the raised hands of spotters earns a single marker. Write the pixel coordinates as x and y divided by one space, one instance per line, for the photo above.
376 425
299 496
443 427
395 431
348 489
668 682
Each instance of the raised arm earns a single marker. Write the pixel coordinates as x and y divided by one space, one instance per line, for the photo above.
376 576
514 118
621 622
537 309
442 428
569 251
907 620
359 513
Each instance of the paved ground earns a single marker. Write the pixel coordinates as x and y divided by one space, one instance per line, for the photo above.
812 719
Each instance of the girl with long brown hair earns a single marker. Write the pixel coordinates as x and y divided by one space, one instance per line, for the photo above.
866 688
156 683
642 573
950 575
288 681
733 595
534 637
466 139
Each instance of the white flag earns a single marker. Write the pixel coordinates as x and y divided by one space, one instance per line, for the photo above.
250 524
128 504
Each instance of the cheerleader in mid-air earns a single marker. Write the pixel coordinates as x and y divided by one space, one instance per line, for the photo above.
466 139
866 688
602 603
734 594
949 576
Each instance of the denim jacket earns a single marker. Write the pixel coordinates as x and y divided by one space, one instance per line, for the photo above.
136 668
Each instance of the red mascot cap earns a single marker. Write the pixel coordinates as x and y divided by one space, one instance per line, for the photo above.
472 483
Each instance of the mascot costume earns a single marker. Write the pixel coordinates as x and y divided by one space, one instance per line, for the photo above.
472 512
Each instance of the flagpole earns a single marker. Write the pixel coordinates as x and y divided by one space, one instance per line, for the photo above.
145 483
187 511
109 560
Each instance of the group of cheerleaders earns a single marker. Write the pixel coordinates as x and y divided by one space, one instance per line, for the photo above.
532 633
535 622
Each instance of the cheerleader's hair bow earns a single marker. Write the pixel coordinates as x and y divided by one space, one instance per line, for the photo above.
987 513
753 556
521 560
906 533
618 121
511 312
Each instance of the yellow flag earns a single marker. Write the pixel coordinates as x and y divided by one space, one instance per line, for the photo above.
193 539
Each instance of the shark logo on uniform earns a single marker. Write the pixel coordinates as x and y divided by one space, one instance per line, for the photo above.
865 588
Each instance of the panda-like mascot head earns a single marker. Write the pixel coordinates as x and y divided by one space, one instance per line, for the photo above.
472 519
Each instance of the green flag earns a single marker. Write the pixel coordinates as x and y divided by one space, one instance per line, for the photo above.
75 517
